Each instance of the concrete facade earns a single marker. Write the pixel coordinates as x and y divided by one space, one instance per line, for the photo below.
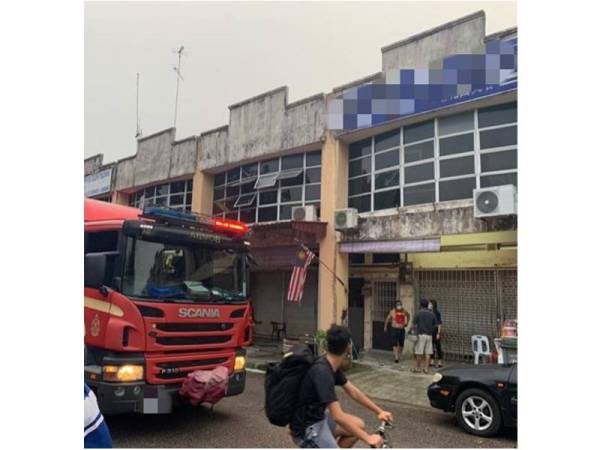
267 126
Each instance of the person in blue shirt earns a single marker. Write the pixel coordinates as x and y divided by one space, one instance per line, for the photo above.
95 431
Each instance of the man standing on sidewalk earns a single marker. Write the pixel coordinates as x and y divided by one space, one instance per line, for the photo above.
399 319
424 322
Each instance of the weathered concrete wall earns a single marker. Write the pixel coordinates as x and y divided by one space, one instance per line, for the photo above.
125 174
421 223
464 35
183 157
153 158
92 164
261 125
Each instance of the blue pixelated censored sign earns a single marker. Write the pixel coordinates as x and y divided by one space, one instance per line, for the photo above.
404 92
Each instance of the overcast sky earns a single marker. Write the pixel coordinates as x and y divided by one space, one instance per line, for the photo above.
234 51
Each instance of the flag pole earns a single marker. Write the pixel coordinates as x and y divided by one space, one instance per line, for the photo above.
305 248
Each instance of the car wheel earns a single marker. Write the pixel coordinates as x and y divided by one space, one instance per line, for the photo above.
478 413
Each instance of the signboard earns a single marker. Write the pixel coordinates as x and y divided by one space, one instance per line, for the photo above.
406 92
97 183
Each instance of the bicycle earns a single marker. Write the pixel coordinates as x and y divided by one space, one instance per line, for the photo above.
381 432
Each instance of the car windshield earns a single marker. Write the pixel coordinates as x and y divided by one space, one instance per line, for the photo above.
167 272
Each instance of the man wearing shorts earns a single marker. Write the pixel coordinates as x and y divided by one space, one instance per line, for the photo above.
319 421
399 319
424 322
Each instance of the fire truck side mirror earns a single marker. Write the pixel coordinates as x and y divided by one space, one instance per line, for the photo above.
94 270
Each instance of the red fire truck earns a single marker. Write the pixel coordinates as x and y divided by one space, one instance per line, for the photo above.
166 293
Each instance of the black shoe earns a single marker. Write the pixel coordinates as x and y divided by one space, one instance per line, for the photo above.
396 360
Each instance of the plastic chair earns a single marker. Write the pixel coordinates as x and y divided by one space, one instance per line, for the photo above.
481 347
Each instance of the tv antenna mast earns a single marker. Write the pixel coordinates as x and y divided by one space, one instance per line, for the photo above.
177 70
138 130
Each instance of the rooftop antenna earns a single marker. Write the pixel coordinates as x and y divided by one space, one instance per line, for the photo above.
177 70
138 130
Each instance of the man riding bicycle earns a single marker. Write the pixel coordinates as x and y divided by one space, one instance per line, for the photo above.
319 421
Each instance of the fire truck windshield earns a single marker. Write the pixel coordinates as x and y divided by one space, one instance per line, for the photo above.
170 272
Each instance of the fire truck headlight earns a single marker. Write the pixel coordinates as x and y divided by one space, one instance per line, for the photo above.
128 372
240 363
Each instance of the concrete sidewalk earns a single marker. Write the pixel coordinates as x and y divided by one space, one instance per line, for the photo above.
375 373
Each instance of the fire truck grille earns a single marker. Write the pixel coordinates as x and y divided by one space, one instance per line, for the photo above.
175 370
192 340
194 326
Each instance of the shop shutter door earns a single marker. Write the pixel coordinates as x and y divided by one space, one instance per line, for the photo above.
470 302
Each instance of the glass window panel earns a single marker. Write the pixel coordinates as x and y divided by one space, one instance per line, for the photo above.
387 140
244 201
297 181
359 167
188 208
177 186
292 173
269 166
313 158
268 197
387 179
232 215
497 115
266 181
456 144
217 208
498 137
456 123
233 175
229 202
357 258
250 170
188 198
312 192
386 258
387 159
362 203
176 199
387 199
149 192
248 215
291 195
313 175
268 214
292 162
457 189
422 172
219 193
285 211
457 166
359 185
161 201
220 179
162 189
418 132
498 180
360 148
189 185
232 191
418 195
491 162
417 152
247 188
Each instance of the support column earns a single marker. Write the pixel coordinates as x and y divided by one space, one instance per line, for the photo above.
334 195
120 198
202 193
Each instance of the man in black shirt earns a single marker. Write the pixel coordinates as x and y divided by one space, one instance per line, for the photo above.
424 322
319 419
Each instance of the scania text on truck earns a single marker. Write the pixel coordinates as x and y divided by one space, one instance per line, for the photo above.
166 293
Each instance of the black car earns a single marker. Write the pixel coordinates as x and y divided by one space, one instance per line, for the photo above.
484 398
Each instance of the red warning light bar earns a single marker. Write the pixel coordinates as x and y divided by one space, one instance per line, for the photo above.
231 226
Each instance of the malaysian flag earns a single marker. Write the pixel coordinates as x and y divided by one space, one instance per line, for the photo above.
303 259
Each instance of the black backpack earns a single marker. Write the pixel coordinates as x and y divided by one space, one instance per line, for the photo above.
282 384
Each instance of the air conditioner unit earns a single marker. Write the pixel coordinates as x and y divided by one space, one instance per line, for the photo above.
495 201
346 219
306 213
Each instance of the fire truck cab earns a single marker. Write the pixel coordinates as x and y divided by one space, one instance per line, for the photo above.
165 294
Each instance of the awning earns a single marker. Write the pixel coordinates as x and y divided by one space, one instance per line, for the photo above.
407 246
